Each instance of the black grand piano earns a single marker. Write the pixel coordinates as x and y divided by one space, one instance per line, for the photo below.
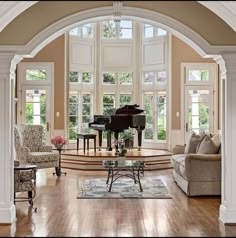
117 121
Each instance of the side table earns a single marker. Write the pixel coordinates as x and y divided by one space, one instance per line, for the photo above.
25 184
58 172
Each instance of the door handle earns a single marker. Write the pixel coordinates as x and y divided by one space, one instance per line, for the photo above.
47 126
186 126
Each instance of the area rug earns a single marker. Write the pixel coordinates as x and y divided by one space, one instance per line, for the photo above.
153 187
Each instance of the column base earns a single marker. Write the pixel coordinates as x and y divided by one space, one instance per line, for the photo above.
226 216
8 215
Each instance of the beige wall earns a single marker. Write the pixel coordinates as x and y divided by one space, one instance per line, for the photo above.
55 52
181 52
44 13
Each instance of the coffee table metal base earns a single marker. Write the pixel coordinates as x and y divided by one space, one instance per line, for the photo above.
134 173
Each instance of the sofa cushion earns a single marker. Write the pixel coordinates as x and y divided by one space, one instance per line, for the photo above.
209 145
178 162
192 143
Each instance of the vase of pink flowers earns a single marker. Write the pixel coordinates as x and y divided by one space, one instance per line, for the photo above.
120 147
58 142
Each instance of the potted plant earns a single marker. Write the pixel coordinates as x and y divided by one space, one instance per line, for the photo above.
128 138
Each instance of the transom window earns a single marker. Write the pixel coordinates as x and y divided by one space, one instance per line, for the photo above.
155 77
117 77
117 30
85 31
152 32
80 77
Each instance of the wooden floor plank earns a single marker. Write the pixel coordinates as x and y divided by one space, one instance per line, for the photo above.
61 214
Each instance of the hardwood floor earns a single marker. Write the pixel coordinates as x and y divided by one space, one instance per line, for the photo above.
61 214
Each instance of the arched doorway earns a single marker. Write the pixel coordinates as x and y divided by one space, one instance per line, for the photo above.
53 31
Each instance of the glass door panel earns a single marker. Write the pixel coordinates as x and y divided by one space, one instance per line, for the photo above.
198 109
35 108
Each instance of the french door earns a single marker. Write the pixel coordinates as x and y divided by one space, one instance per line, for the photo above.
200 88
35 96
199 112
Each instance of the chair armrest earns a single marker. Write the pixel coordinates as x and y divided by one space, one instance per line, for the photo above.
45 148
178 149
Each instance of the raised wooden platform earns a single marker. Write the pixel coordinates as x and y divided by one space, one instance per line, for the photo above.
154 159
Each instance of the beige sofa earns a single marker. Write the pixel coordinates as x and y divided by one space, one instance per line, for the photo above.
197 174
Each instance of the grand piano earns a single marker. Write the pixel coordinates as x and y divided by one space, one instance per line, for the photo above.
117 121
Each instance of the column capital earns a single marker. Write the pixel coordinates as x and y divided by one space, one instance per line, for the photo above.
230 61
8 62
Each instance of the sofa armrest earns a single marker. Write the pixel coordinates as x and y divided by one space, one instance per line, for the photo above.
178 149
203 167
205 157
45 148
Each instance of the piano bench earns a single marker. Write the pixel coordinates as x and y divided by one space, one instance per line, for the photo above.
86 136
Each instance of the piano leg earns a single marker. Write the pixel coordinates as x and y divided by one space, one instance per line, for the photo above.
139 138
100 140
117 137
109 148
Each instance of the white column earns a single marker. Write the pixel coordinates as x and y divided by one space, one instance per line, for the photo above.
228 77
7 76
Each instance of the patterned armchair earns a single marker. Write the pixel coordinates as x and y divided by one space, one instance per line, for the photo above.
30 149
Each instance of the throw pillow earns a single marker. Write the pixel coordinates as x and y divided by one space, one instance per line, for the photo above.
208 146
192 143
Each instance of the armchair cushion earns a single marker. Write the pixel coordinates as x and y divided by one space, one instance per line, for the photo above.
40 157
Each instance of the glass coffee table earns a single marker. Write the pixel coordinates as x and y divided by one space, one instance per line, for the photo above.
133 169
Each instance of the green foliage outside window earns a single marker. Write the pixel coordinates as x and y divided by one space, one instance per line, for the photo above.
109 78
125 78
109 30
36 74
73 76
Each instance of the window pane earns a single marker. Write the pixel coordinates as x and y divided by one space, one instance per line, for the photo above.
161 32
148 31
126 33
86 77
199 110
87 30
73 76
126 24
148 110
125 99
109 78
148 77
35 106
109 30
108 103
73 127
75 31
36 74
161 77
198 75
125 78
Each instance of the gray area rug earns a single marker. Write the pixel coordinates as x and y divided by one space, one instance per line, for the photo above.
153 187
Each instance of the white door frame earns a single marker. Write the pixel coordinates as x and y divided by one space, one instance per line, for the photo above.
213 69
48 84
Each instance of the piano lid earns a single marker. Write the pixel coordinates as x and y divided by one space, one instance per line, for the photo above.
129 109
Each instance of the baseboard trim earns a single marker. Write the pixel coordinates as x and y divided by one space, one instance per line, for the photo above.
8 215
